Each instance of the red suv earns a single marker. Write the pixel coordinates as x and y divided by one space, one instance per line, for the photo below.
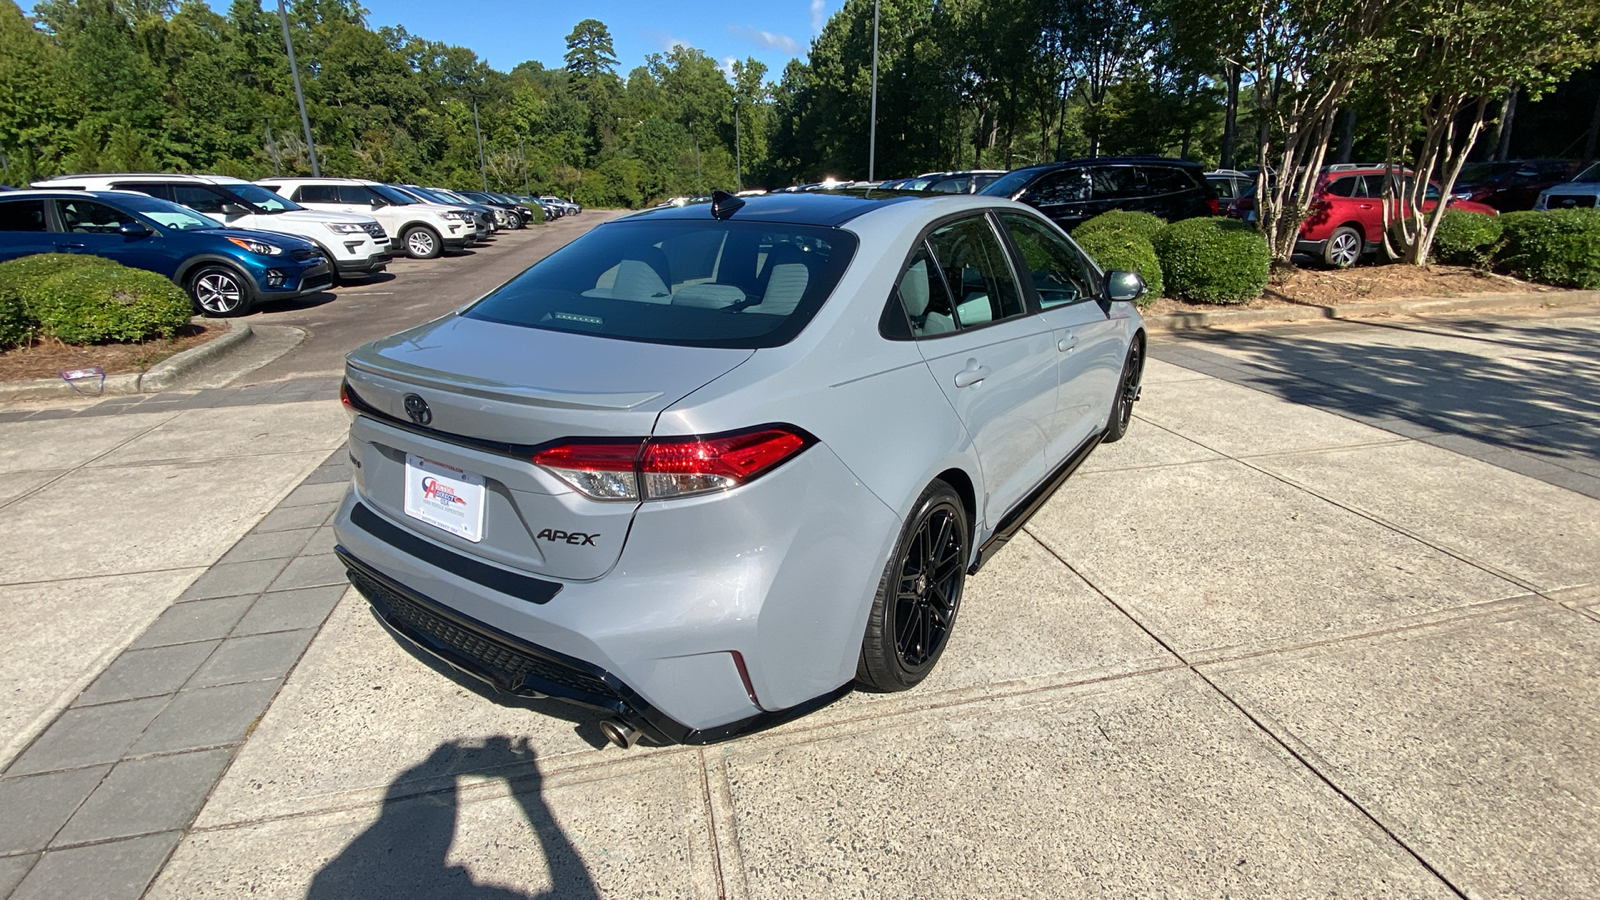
1346 218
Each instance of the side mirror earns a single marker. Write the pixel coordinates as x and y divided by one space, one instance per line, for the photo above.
234 210
379 203
1124 287
134 230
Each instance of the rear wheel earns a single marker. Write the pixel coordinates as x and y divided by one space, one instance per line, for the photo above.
1127 393
421 242
1343 249
915 608
220 292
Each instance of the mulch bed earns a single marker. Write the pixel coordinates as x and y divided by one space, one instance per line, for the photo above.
48 358
1372 283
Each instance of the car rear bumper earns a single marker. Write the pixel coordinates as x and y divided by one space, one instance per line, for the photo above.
723 613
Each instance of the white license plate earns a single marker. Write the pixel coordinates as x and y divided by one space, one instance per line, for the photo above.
445 497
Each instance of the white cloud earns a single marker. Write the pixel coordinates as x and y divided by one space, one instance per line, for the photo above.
765 39
668 43
727 65
819 15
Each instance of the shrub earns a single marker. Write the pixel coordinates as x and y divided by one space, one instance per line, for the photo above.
20 278
1143 224
85 305
1213 260
16 326
1465 238
1116 249
1560 247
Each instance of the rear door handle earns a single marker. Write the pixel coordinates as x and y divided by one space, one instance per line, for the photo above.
972 374
70 246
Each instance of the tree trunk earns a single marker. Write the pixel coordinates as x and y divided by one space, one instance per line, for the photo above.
1593 141
1508 113
1347 134
1230 122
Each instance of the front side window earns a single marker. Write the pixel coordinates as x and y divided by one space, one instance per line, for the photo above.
22 215
1061 274
975 268
703 283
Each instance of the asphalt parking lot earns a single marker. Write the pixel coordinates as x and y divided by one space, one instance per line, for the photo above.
1327 623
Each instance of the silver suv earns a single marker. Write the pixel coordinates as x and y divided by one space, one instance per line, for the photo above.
356 244
707 468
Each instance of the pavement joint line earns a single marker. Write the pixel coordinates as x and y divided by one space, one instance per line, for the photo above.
711 822
126 753
1299 757
88 462
93 576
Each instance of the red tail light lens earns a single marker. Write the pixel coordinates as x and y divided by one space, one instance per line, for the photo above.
663 468
1212 202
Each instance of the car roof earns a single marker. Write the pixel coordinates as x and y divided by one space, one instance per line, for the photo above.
187 177
827 208
71 194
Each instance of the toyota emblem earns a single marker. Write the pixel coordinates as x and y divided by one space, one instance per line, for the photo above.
417 409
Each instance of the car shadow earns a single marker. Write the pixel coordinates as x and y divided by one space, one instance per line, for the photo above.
1524 397
308 301
361 281
406 852
585 722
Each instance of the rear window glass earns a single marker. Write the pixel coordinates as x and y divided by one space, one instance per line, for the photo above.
694 284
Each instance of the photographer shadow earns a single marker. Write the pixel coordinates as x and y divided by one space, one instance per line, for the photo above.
405 852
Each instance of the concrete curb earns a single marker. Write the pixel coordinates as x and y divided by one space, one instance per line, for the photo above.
158 377
1190 321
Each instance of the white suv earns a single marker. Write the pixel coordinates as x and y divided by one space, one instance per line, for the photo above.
424 229
355 244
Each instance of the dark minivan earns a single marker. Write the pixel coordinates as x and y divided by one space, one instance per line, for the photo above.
1072 191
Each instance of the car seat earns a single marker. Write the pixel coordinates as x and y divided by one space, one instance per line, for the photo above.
916 298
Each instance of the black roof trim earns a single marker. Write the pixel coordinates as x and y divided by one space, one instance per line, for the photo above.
826 208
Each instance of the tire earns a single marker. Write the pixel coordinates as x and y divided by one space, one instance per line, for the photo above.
915 610
1343 248
422 242
1127 392
219 292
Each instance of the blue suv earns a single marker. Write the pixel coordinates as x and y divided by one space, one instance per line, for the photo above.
225 270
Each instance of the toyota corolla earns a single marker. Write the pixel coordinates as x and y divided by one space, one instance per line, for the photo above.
708 468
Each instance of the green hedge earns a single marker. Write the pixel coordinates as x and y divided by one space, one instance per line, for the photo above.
1116 249
1213 260
16 326
1143 224
1559 247
91 304
1465 238
19 284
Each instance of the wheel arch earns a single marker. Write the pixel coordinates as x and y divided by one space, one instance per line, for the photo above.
199 261
962 483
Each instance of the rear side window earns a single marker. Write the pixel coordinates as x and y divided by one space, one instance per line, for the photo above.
89 217
356 193
317 193
22 215
1118 182
1167 179
691 283
1348 186
975 267
925 298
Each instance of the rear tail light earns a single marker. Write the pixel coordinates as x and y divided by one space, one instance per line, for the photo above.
663 468
1212 202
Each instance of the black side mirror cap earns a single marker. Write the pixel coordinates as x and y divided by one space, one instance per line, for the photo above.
1125 287
134 230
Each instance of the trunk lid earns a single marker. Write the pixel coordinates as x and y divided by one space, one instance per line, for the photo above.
492 390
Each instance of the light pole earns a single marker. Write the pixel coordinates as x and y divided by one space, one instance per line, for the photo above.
872 142
483 169
299 96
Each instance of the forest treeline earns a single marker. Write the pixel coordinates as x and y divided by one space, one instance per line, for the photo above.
154 84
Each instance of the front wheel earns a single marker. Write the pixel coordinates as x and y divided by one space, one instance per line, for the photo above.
918 596
220 292
1127 393
422 242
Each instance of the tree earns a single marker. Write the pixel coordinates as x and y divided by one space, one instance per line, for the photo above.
1451 59
589 50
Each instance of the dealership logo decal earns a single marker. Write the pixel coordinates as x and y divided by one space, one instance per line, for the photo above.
439 493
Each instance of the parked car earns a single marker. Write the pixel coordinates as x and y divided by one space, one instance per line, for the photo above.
515 214
964 182
707 467
1230 184
226 271
1070 192
480 216
1582 192
425 229
1347 217
357 245
566 207
1511 186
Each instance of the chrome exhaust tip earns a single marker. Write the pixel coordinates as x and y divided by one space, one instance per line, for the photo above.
620 733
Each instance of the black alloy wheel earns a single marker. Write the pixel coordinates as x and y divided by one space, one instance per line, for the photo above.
920 593
1127 393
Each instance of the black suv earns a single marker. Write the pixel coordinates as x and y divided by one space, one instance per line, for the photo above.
1079 189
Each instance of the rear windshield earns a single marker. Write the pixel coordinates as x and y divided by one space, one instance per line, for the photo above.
702 283
1008 184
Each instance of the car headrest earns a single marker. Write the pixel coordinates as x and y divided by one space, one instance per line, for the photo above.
914 288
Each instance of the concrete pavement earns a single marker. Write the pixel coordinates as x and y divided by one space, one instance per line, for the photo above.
1289 638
